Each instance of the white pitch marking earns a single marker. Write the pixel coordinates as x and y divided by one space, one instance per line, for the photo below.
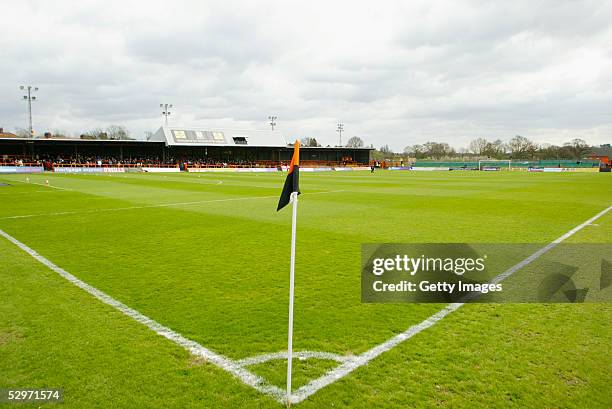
362 359
24 193
325 192
195 348
45 185
152 206
139 207
52 187
25 216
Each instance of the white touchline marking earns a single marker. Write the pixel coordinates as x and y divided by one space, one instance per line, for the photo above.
221 361
362 359
25 193
322 193
42 184
115 209
237 368
51 186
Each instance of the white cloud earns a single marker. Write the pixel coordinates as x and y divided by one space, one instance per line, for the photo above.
393 72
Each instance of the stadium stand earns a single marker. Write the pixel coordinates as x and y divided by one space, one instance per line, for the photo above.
171 147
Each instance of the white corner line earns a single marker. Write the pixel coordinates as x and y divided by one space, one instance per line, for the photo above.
193 347
362 359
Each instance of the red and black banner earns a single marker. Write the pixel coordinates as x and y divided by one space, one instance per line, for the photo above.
292 182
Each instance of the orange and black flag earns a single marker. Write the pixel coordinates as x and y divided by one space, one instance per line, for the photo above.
292 183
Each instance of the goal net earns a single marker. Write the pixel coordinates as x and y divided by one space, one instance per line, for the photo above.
492 164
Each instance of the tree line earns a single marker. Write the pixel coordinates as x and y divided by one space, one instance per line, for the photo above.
518 147
354 142
112 132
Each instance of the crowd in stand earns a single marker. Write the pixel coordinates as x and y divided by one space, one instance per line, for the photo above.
101 160
48 161
63 160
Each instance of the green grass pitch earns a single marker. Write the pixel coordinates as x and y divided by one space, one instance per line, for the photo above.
208 256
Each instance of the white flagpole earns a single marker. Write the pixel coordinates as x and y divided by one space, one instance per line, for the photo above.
294 200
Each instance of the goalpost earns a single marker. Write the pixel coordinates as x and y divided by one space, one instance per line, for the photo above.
494 164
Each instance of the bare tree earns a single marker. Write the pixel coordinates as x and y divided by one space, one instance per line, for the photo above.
355 142
22 133
58 133
385 149
521 147
95 133
416 151
118 132
548 151
496 149
308 141
438 150
478 146
577 148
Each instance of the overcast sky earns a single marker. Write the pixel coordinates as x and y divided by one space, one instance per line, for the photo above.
394 72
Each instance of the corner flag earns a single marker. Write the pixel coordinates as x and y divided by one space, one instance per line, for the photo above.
290 193
292 183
